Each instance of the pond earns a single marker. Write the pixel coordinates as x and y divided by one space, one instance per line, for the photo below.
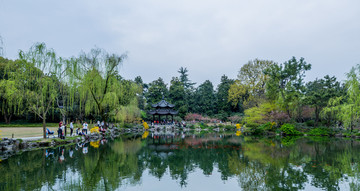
188 161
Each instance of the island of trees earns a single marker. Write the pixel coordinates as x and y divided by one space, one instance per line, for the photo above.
40 86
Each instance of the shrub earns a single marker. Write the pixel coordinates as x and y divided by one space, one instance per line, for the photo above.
269 126
252 125
254 128
319 132
257 130
289 129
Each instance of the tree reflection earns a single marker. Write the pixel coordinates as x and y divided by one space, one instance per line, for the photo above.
257 163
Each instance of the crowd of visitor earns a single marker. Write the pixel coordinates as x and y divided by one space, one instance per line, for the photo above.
79 131
167 122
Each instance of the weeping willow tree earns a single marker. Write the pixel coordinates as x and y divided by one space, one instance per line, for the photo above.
101 89
128 113
351 109
12 93
40 66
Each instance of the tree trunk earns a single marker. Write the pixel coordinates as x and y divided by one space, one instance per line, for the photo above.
44 126
7 118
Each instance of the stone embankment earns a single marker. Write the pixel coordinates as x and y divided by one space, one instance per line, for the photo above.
10 147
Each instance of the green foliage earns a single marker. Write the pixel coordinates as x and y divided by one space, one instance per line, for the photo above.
41 83
249 88
102 90
177 96
140 96
350 110
143 115
156 91
269 126
320 131
286 83
185 79
223 105
12 90
127 114
259 114
332 112
289 129
310 123
319 92
204 99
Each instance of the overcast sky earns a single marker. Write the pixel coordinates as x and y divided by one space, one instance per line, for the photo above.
209 37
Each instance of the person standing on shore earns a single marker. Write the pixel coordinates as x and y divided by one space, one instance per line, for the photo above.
71 128
85 127
60 130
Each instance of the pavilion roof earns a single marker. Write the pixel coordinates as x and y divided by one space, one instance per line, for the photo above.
163 104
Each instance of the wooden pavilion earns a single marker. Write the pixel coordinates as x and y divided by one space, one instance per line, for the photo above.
163 108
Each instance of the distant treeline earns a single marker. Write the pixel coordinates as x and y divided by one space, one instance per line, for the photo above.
40 85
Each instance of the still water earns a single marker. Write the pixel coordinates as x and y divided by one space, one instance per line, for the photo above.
187 161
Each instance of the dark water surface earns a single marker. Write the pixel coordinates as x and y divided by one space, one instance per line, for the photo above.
189 162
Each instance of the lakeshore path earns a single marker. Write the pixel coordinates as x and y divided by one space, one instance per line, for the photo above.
23 132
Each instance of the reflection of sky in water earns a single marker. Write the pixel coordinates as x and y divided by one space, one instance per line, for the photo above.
196 181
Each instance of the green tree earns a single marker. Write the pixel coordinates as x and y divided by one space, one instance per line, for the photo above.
95 76
141 99
223 105
205 99
177 96
319 92
156 91
332 112
286 83
188 87
41 85
259 115
351 109
249 88
185 79
12 92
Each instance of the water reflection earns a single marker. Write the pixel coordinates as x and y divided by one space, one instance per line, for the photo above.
190 161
